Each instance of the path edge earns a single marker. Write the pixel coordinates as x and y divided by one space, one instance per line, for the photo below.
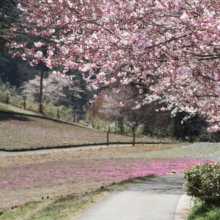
184 206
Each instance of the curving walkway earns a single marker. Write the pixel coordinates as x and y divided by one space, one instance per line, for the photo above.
153 199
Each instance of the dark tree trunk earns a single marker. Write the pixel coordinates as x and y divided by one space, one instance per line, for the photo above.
133 131
41 88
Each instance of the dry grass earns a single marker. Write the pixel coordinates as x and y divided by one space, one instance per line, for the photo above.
60 184
95 153
65 208
18 132
75 173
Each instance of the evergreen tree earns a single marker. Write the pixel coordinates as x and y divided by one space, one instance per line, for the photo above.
7 15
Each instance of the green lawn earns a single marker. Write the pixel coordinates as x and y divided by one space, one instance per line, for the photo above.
202 211
9 108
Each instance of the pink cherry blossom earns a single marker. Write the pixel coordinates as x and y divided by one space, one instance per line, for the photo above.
184 17
39 54
38 44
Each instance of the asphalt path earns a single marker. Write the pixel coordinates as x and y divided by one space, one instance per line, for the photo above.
153 199
5 153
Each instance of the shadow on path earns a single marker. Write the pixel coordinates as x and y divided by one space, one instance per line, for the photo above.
169 184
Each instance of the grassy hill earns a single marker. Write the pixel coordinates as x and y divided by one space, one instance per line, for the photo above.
10 108
21 131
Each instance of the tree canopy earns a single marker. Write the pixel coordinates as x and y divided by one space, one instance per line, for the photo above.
170 47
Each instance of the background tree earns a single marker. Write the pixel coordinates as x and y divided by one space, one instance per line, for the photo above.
54 89
7 15
12 70
112 108
15 71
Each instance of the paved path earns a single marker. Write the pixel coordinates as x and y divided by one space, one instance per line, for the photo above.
153 199
5 153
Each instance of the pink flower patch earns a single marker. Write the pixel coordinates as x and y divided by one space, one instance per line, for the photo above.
61 172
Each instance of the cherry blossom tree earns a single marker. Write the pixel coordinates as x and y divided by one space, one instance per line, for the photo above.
54 89
170 47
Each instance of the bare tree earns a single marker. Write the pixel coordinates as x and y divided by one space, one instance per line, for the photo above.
130 113
113 108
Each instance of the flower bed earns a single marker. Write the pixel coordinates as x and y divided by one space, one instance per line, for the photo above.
80 170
